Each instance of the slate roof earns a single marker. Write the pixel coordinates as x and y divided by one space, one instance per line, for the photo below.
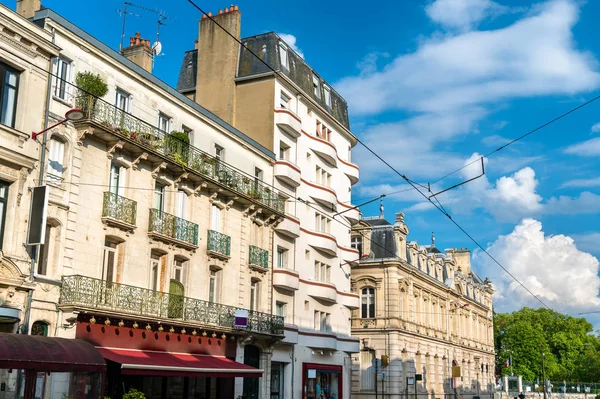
187 73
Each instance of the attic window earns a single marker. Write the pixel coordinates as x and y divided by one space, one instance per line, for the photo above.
327 90
316 86
283 56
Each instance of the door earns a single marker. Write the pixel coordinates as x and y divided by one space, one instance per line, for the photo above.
176 299
180 223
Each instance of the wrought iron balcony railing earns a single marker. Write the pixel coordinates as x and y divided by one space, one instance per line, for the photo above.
150 137
219 243
95 294
119 208
259 257
173 227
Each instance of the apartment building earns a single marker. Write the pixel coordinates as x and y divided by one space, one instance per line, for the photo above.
424 312
160 225
286 106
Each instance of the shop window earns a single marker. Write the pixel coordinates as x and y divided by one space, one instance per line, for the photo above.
39 328
367 303
277 369
252 358
322 381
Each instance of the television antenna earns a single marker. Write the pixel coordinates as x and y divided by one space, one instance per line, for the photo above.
124 13
162 17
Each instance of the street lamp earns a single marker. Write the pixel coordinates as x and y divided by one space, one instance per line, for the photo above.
73 115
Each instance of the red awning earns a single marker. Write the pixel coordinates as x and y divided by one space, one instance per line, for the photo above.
33 352
141 362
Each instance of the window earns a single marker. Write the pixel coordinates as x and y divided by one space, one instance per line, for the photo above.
159 197
322 176
3 208
123 101
56 158
188 131
219 153
164 122
181 210
215 218
254 292
39 328
179 266
322 321
327 92
284 151
154 268
356 242
284 101
322 272
116 179
283 56
366 370
42 267
213 285
322 223
9 81
316 86
367 303
64 71
282 257
280 308
109 265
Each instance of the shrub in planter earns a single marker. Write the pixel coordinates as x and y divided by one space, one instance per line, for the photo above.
89 83
134 394
178 143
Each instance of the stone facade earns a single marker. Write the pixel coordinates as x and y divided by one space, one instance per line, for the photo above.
424 310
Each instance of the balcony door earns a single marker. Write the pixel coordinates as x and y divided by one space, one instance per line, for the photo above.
181 213
215 218
109 269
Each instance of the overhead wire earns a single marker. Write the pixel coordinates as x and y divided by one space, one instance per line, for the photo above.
403 176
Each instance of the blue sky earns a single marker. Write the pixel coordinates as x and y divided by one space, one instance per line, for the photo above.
430 85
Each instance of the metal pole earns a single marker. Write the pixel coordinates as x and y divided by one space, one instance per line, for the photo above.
511 366
544 373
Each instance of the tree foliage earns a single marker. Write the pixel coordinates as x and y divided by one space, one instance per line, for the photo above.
91 83
570 346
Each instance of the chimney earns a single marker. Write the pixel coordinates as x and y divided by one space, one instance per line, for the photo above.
139 52
463 260
27 8
217 62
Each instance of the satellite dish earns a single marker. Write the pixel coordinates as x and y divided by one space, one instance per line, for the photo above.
156 48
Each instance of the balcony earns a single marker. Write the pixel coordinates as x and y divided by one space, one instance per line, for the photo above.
323 148
289 122
95 295
258 259
107 122
219 245
350 213
321 290
119 211
349 300
286 279
323 242
351 170
289 226
172 229
287 172
325 195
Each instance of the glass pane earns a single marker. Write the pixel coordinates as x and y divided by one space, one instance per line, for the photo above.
8 106
114 179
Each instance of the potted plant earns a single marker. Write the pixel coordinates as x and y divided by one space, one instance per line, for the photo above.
134 394
91 87
178 143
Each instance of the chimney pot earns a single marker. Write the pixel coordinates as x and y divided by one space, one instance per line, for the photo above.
220 12
210 14
226 10
137 35
203 16
131 41
235 8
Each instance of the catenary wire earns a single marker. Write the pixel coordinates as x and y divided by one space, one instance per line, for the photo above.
409 181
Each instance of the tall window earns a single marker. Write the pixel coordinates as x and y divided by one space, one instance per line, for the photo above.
327 91
215 218
109 266
322 321
164 122
39 328
154 268
254 293
284 101
322 272
56 157
284 151
64 72
367 303
283 56
116 179
322 223
282 255
280 308
187 130
159 197
316 86
356 242
213 285
322 176
3 208
179 266
219 153
367 380
123 100
181 204
9 87
42 267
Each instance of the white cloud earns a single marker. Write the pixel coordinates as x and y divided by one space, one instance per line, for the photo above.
494 140
586 202
595 182
588 148
596 128
463 14
552 267
534 56
291 41
588 242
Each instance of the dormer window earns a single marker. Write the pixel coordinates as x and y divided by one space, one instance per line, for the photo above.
316 86
283 56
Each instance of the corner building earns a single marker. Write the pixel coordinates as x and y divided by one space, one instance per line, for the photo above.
424 309
298 116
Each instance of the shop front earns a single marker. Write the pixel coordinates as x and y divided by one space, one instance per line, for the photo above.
165 361
321 381
45 367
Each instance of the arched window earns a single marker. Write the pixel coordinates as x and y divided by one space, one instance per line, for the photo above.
368 303
39 328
